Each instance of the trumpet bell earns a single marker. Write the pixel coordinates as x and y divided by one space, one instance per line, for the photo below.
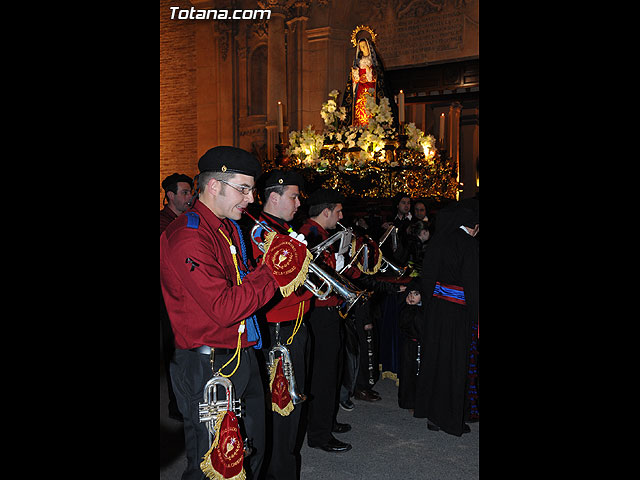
287 369
395 269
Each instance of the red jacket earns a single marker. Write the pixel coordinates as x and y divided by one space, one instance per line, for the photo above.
287 308
166 217
198 279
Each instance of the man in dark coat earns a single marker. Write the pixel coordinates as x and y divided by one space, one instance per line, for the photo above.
450 285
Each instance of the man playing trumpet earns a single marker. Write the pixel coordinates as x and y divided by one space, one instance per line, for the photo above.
211 293
285 318
325 211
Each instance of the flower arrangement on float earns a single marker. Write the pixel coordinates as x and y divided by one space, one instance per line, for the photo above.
354 146
411 162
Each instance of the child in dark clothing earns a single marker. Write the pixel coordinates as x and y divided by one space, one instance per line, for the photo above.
410 315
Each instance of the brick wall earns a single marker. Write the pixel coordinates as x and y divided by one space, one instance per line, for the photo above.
178 116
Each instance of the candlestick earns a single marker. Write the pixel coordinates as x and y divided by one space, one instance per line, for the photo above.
441 133
401 107
280 127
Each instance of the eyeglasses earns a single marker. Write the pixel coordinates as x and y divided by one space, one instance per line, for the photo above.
243 189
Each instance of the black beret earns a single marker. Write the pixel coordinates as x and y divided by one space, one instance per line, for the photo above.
324 195
174 178
229 159
282 177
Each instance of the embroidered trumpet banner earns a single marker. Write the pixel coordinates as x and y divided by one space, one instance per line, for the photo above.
288 260
224 460
280 398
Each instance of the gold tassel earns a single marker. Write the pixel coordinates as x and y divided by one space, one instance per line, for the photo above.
274 406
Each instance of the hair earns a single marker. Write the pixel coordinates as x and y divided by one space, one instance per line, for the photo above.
399 196
204 177
315 210
279 189
416 227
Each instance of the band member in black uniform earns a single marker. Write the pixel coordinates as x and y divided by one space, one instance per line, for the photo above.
285 320
325 210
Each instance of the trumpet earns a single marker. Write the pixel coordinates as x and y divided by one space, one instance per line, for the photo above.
331 282
209 409
385 264
287 369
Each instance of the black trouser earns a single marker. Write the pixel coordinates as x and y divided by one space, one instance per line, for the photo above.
284 455
324 327
190 371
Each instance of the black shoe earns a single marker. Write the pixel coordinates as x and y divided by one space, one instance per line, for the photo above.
373 393
365 395
340 427
466 428
348 405
334 445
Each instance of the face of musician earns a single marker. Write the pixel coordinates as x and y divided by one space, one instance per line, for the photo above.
334 216
286 205
179 201
227 199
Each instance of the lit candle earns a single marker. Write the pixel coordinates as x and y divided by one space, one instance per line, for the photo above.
441 134
280 128
401 106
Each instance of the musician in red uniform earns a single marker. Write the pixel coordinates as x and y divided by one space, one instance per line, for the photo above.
325 210
285 319
177 195
211 294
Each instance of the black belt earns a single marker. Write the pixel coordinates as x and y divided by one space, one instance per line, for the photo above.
206 350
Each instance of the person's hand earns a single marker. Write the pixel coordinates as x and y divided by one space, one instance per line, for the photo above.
298 236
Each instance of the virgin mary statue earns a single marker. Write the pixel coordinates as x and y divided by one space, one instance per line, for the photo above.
365 79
